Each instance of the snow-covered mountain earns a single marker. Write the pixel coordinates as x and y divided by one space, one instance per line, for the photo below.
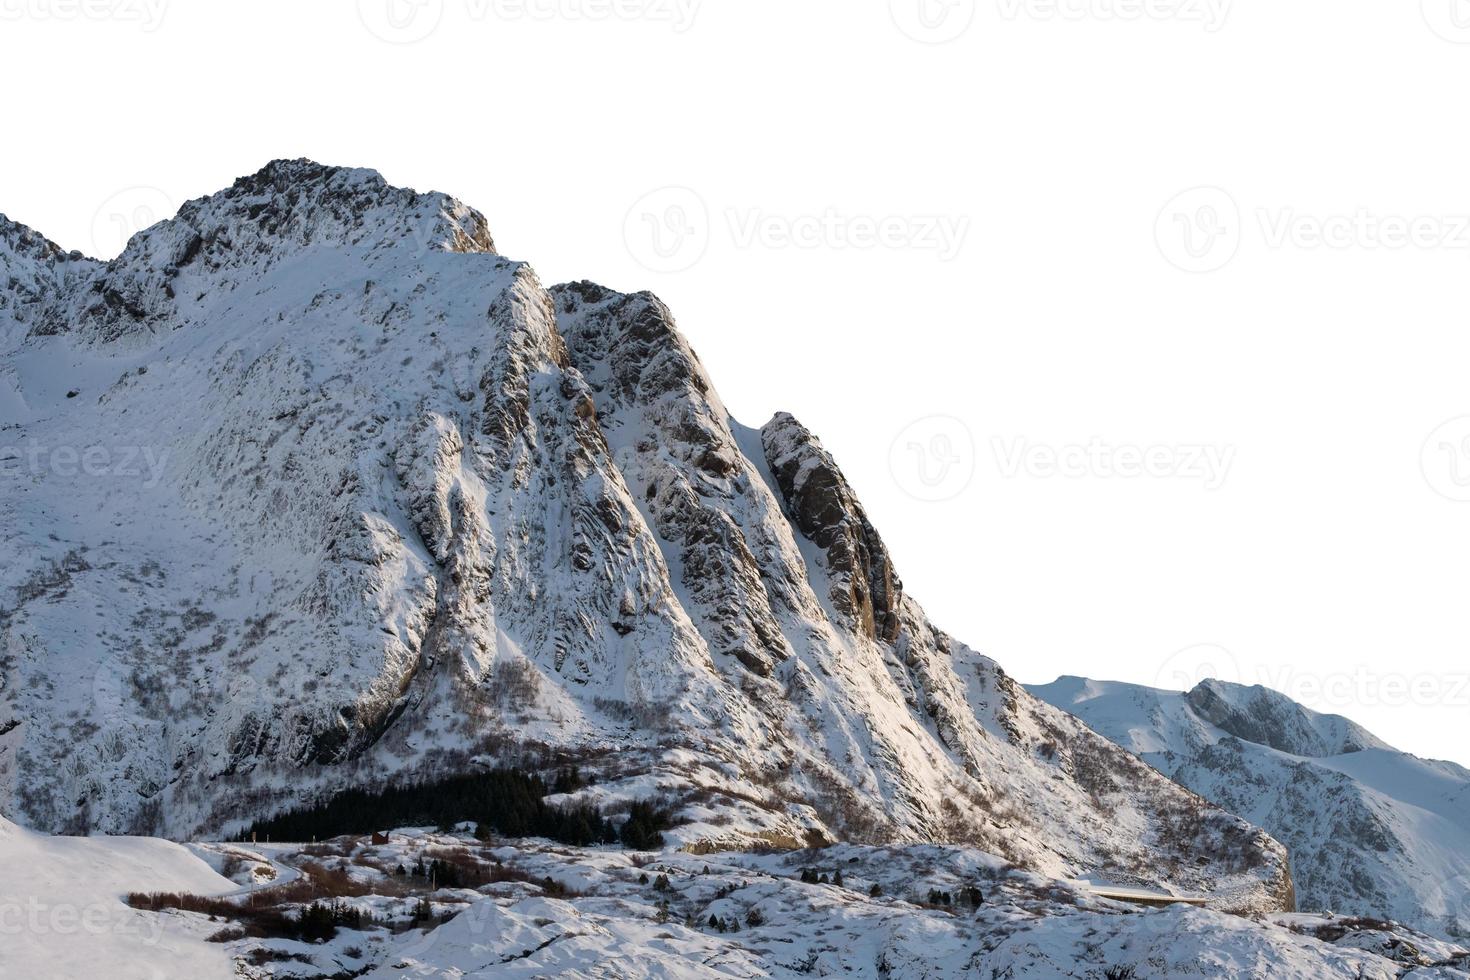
311 488
1371 830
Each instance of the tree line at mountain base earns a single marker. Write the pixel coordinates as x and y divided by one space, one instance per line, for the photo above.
504 802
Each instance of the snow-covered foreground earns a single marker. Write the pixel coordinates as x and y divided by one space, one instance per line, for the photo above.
894 912
62 914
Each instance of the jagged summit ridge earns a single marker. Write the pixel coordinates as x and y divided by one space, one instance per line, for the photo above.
417 512
1258 714
33 271
167 270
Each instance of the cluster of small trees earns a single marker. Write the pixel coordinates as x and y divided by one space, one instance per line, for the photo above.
320 921
718 924
811 876
970 896
642 831
439 874
317 921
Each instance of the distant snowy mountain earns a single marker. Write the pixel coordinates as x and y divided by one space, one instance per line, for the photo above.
310 488
1371 830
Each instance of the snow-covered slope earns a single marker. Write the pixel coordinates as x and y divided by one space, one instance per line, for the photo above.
62 912
311 488
1372 831
532 909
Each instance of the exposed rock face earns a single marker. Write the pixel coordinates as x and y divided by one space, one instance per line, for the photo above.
411 508
673 443
864 585
1372 831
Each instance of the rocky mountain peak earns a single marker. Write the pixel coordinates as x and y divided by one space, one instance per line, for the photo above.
307 202
170 270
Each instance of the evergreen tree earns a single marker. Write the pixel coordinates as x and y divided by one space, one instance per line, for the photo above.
641 831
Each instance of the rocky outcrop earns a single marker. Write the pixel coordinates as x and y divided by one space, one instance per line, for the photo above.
864 586
34 271
1263 716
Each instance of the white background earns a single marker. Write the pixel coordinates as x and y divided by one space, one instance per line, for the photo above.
1059 134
